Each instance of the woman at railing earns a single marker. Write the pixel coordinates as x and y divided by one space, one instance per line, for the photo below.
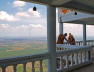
71 39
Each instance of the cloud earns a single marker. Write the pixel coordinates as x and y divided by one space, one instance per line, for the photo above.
7 17
4 16
37 26
19 3
29 30
4 26
28 14
22 14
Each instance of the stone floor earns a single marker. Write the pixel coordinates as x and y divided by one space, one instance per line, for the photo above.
89 68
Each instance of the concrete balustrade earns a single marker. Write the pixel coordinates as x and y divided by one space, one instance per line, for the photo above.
4 63
80 43
74 56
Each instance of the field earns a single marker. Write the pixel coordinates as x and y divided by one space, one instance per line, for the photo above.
9 48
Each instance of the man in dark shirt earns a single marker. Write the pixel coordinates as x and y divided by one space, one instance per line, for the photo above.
61 38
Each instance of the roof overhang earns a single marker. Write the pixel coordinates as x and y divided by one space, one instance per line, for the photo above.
88 21
81 5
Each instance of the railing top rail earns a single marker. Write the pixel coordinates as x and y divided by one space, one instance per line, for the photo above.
82 41
74 50
72 46
23 59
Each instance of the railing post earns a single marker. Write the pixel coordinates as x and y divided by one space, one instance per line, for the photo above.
67 61
62 63
15 68
51 37
84 59
87 58
76 59
72 62
79 43
24 67
81 57
4 69
85 55
89 55
41 66
33 68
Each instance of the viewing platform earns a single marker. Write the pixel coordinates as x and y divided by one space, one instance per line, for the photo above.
69 58
65 59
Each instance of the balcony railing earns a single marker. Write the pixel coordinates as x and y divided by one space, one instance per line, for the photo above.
70 58
4 63
80 43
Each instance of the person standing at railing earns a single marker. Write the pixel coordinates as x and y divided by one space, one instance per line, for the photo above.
71 39
61 38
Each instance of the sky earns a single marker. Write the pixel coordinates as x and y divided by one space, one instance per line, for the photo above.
17 19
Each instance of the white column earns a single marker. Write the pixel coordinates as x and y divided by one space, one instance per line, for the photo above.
61 28
51 37
84 34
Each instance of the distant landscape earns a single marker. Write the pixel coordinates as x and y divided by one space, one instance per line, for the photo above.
21 46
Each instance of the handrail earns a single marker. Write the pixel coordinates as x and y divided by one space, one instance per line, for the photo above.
23 59
14 61
80 43
74 50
